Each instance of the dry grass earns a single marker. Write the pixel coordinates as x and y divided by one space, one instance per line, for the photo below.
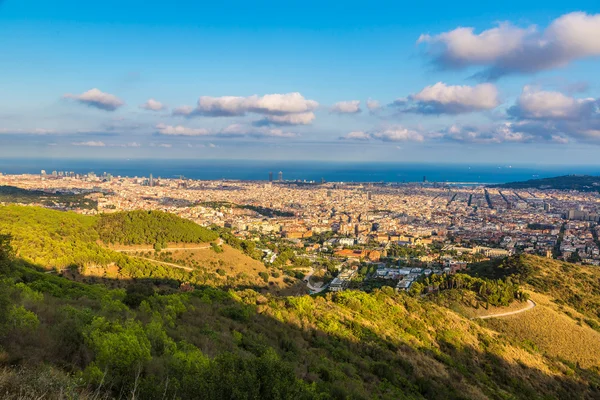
471 312
552 332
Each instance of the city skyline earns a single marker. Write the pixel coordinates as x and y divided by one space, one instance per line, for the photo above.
502 84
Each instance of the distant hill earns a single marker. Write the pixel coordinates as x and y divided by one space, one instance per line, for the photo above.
582 183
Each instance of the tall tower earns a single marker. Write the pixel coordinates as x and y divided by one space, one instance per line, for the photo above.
151 181
280 176
270 176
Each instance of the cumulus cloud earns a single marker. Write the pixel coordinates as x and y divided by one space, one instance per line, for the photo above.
474 134
357 135
390 134
373 105
270 104
507 49
444 99
234 130
180 130
89 144
97 99
554 115
539 104
153 105
346 107
399 134
288 119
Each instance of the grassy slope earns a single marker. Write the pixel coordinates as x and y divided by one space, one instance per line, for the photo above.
549 329
568 310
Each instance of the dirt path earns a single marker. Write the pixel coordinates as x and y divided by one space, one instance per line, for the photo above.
530 305
164 263
165 249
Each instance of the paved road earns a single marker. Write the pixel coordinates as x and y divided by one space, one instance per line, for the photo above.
311 287
530 305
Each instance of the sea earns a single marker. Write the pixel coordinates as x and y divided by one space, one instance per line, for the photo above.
308 171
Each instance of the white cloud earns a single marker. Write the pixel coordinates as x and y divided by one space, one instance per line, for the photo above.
398 134
153 105
357 135
373 105
539 104
183 110
346 107
509 49
89 144
443 99
270 104
98 99
288 119
180 130
234 130
389 134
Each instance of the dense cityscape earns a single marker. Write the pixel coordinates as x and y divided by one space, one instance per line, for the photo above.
404 231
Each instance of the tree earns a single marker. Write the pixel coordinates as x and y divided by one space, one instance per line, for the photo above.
6 253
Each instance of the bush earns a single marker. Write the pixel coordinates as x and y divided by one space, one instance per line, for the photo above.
264 276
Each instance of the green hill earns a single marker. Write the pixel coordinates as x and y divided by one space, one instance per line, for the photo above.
583 183
150 227
66 339
571 285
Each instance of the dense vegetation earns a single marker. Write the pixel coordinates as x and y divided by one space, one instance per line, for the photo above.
569 284
150 227
213 344
11 194
148 340
583 183
473 291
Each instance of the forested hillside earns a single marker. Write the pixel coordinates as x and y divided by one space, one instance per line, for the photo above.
150 227
70 243
149 337
212 344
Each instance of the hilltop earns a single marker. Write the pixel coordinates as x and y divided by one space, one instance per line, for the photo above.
85 248
583 183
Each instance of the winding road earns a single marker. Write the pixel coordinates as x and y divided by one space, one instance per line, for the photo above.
310 286
530 305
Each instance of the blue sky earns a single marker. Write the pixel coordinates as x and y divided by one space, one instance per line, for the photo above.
365 81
